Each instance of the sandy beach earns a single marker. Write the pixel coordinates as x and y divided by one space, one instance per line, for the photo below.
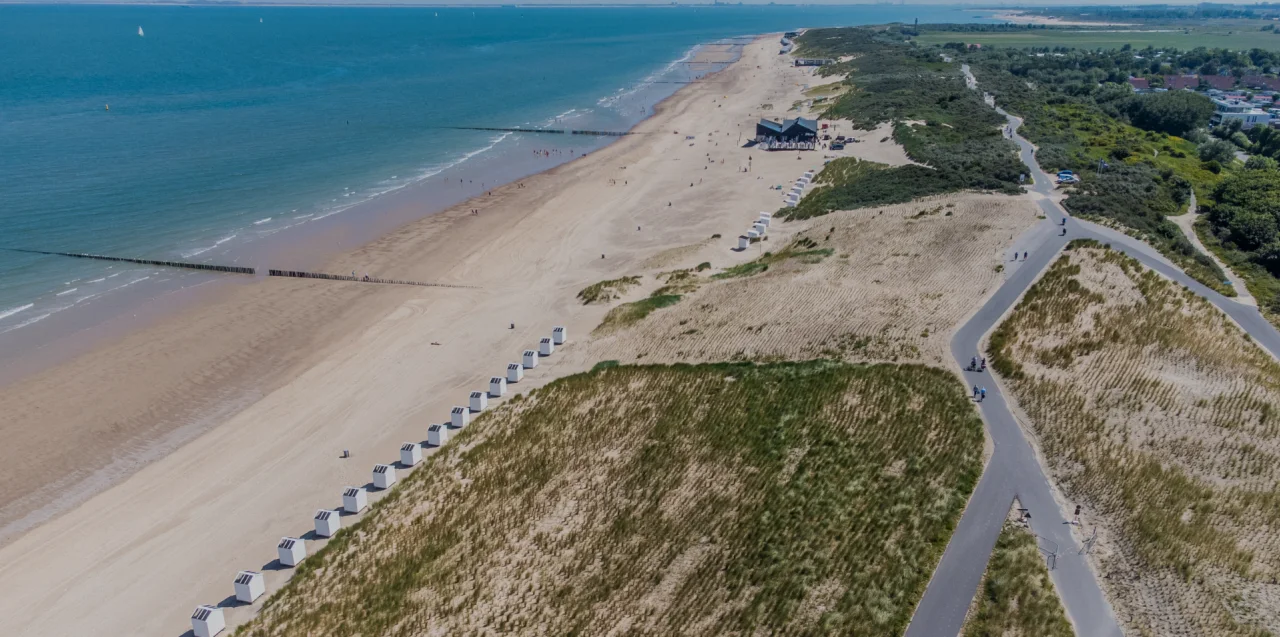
229 419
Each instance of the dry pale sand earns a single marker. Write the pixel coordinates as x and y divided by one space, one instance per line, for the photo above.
898 281
334 366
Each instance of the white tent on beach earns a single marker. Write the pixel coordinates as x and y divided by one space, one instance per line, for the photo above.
354 499
250 585
410 454
437 435
207 621
384 475
291 550
327 523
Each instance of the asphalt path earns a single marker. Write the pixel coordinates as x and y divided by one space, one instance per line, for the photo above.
1014 470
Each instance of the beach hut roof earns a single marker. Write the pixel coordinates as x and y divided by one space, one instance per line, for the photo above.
513 365
286 543
408 446
202 613
349 492
475 394
435 427
245 576
457 410
381 468
530 352
323 515
499 379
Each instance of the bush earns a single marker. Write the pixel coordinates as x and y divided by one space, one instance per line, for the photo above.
1217 150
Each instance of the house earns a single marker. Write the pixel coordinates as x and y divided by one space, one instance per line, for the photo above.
1140 83
1260 82
1174 82
1249 115
791 130
1220 82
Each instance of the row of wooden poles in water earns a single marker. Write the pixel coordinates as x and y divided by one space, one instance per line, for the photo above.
235 269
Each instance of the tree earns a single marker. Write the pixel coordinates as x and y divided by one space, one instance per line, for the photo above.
1252 229
1258 162
1174 112
1217 150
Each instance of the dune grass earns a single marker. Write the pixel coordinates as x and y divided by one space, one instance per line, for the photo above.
606 291
1017 598
798 498
1158 415
803 249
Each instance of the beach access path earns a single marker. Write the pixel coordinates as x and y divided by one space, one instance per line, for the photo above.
137 557
1014 469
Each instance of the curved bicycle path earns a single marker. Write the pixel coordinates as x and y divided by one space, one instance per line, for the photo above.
1014 470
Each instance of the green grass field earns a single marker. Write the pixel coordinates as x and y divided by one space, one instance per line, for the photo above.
1234 37
810 498
1017 598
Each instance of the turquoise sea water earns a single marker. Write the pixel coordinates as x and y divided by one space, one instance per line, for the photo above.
229 127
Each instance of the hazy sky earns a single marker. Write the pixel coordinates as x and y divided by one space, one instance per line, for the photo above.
987 5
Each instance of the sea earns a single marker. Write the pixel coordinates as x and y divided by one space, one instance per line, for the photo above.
225 134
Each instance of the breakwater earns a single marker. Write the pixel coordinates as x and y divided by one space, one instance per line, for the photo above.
552 131
230 269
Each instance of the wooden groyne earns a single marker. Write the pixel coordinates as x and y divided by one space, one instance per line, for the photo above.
551 131
360 279
229 269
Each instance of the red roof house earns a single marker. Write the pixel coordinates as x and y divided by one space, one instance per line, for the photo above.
1139 83
1220 82
1174 82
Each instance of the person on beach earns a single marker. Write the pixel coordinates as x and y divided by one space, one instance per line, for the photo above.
983 394
975 392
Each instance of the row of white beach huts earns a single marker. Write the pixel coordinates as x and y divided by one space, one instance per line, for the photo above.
797 189
207 620
757 231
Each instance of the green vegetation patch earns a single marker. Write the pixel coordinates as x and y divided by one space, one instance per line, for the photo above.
629 313
1017 598
1243 227
692 500
802 250
1158 415
606 291
959 144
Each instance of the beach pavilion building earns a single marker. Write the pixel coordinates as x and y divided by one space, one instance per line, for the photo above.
790 134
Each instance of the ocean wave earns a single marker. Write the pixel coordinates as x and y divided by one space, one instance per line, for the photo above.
648 80
14 310
34 319
66 291
261 221
200 251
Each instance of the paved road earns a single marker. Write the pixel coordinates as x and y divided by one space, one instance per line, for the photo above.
1014 470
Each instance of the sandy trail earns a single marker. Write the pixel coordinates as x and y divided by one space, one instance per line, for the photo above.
367 374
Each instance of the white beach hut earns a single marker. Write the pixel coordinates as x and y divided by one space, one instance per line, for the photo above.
327 523
250 585
744 242
515 372
354 499
207 621
498 386
765 219
291 550
459 417
759 227
479 401
752 234
559 335
808 173
437 435
384 475
546 347
410 454
530 359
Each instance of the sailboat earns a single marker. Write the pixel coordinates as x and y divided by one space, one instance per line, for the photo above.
140 33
